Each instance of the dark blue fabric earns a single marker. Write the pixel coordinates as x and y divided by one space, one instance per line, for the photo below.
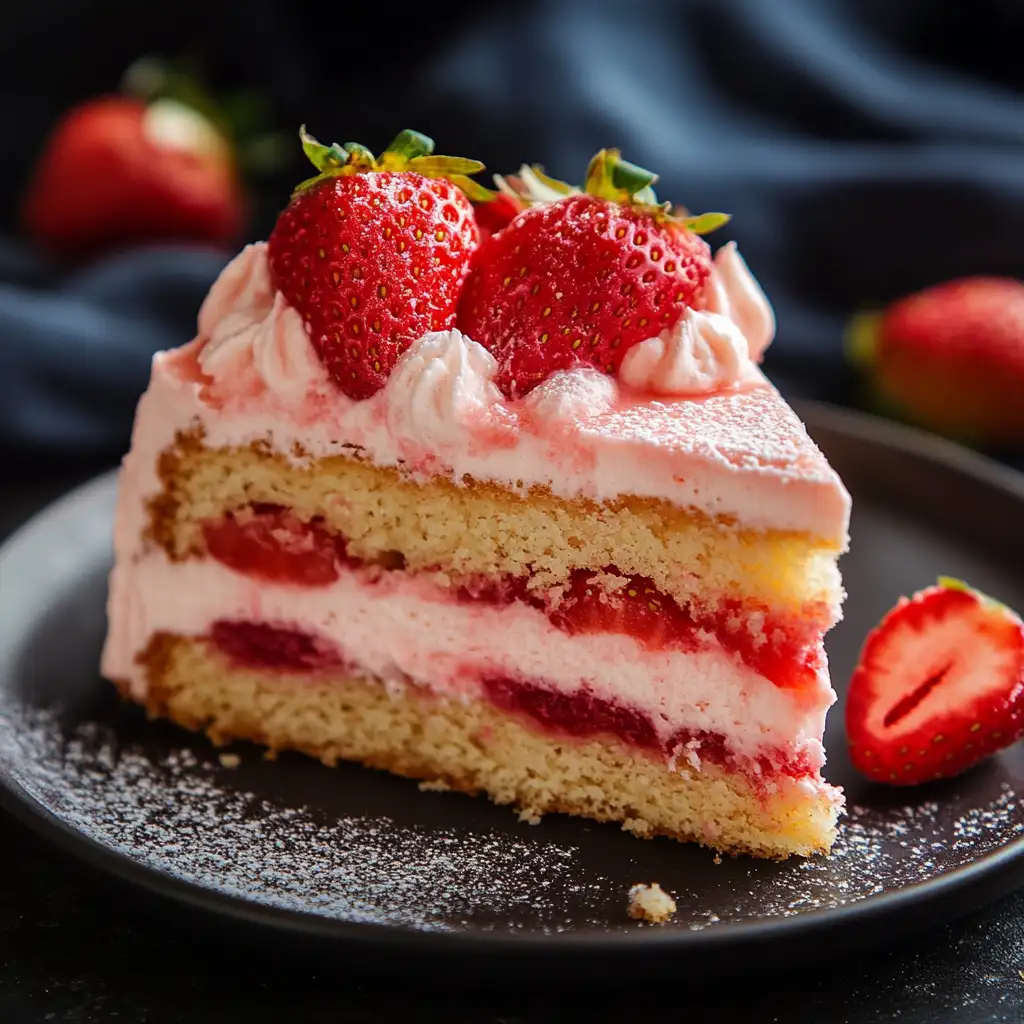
865 148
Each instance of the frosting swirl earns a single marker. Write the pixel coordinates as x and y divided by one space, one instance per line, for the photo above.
254 342
569 397
703 352
736 294
443 384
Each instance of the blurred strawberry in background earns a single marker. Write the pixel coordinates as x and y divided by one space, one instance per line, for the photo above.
160 162
949 359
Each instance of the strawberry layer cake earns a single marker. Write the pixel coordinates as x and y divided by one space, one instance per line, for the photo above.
488 490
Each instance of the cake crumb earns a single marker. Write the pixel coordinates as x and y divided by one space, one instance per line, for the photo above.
650 903
638 826
530 816
229 760
718 859
434 786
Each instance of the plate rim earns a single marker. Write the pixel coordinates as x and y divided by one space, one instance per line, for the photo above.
994 874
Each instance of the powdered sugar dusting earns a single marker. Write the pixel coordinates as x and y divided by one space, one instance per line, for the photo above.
880 851
179 816
181 812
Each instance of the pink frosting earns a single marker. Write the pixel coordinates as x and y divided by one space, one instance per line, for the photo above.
255 345
708 351
736 450
735 294
701 354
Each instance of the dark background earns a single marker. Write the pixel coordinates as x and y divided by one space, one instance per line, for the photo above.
865 149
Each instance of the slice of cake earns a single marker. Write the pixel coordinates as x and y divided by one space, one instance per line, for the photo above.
519 517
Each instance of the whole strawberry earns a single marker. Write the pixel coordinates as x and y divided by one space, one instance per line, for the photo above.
372 252
939 686
951 358
582 278
118 171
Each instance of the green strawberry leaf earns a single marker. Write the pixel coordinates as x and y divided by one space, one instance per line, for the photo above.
705 223
628 176
444 166
561 187
409 151
322 157
409 145
359 156
475 192
952 583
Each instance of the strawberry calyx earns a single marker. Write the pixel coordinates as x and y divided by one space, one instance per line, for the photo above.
175 89
610 177
952 583
408 151
861 339
530 185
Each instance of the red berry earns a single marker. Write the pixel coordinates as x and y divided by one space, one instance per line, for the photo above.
579 280
784 652
497 214
612 603
951 358
576 714
373 252
273 544
939 687
273 647
372 262
117 172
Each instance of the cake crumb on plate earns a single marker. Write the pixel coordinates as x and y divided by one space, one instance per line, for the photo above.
651 903
638 826
229 760
434 786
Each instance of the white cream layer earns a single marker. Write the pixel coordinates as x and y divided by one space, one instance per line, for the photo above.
398 627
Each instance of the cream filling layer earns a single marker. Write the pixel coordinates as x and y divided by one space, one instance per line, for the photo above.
397 627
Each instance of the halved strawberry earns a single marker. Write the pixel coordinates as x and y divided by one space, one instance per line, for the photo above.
939 686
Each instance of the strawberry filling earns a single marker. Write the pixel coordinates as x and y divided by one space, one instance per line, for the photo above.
268 647
784 650
582 715
269 542
273 647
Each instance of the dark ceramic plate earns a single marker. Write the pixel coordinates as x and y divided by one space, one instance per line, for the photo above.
355 858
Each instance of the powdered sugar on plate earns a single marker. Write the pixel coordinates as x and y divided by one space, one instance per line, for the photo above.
177 810
180 816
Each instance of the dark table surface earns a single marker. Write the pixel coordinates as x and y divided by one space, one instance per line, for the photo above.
75 949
